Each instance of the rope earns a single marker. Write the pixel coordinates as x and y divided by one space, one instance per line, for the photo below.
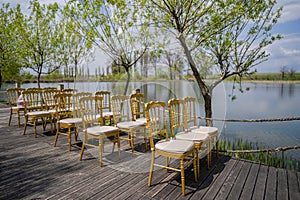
251 120
262 150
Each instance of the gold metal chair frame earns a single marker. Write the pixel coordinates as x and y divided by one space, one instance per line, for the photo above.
12 98
64 118
106 106
121 109
34 109
157 125
90 107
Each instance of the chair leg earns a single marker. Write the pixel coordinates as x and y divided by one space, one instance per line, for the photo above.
167 163
34 125
197 163
182 176
69 138
25 124
151 168
56 136
11 112
132 143
75 134
18 113
82 147
118 140
101 150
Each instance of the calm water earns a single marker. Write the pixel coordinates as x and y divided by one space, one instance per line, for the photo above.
262 101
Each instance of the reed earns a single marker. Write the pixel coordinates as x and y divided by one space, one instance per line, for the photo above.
275 159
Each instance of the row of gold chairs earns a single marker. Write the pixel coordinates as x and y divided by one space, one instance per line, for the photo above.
130 114
187 142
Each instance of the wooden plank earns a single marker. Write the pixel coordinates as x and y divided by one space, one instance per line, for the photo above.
282 185
226 187
259 190
294 192
240 181
250 182
223 169
270 192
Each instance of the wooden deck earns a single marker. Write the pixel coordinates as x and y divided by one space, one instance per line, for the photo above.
31 168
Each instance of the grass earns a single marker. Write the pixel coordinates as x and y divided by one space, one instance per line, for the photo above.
275 159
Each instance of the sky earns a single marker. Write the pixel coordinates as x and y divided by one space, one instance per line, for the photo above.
285 52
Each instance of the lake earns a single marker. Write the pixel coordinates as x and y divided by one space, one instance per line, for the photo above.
262 101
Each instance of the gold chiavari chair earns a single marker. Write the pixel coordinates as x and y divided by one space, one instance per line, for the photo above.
50 103
121 114
190 121
66 123
106 106
179 130
181 150
34 109
91 109
137 105
13 95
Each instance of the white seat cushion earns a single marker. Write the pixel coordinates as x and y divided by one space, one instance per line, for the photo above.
206 129
142 120
130 124
192 136
175 146
71 121
98 130
38 113
107 114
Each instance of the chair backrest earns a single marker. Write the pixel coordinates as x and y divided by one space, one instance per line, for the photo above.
13 95
63 105
137 105
176 113
190 118
156 120
120 108
106 105
48 97
91 110
76 97
69 90
33 100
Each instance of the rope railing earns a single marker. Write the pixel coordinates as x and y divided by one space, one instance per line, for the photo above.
261 150
251 120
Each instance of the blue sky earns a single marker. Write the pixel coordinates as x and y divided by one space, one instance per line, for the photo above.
285 52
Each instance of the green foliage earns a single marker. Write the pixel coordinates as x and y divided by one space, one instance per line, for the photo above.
9 62
38 38
268 158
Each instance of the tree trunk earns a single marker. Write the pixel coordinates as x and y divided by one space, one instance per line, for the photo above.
39 80
127 81
208 109
205 92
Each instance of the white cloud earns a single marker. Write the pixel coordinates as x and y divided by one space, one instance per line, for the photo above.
290 10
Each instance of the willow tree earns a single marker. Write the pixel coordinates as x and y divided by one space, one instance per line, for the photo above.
39 38
9 63
115 27
234 33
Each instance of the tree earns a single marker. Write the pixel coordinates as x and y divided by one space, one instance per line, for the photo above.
39 39
283 71
73 48
204 26
9 63
115 27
